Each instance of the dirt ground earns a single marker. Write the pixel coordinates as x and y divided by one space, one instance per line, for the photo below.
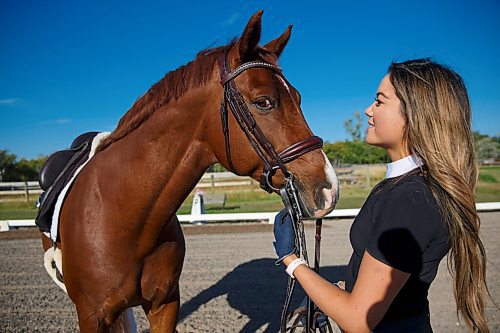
229 281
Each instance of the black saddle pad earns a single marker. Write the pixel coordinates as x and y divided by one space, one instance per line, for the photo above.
56 173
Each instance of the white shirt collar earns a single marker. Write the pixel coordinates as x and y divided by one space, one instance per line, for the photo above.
402 166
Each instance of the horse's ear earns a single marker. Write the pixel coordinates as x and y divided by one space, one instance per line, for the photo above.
250 37
278 45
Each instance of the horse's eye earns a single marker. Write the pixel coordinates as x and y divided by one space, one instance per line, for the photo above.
264 104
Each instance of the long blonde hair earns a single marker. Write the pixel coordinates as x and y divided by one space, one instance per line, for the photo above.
438 129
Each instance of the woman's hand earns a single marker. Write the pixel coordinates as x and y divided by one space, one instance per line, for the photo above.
284 236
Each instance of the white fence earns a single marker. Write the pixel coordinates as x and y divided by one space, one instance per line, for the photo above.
209 179
19 188
268 217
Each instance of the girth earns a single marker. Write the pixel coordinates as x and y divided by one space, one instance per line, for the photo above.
264 149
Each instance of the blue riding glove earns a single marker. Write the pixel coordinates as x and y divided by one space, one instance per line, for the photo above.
284 243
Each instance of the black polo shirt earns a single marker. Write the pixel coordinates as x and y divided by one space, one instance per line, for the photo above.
400 225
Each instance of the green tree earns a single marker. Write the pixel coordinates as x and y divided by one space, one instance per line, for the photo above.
487 149
353 126
28 169
354 152
7 166
12 170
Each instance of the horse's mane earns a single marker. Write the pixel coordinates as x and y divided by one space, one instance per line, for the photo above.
171 87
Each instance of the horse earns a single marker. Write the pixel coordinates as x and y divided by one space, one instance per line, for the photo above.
122 245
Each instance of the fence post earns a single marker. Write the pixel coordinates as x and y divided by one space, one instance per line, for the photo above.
198 206
368 176
212 179
4 226
26 191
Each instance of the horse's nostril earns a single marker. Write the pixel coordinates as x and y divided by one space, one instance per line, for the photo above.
323 197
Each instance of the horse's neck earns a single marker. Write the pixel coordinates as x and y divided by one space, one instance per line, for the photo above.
166 156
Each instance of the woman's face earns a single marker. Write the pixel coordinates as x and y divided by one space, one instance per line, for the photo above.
386 122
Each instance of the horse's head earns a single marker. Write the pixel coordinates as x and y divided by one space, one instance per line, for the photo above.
273 121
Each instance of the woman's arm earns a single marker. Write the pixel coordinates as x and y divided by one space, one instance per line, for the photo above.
360 311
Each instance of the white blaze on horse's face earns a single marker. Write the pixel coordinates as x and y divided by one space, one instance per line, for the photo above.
284 83
317 184
331 195
327 195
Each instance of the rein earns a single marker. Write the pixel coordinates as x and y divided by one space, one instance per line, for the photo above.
306 318
272 162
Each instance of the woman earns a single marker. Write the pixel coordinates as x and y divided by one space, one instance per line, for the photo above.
422 210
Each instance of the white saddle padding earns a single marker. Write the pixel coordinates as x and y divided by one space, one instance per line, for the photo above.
125 322
54 255
60 199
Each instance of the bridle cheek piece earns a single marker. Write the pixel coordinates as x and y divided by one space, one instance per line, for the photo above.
271 159
272 162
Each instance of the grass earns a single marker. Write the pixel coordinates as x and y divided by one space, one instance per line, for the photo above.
250 198
17 210
488 186
489 174
352 197
245 199
487 178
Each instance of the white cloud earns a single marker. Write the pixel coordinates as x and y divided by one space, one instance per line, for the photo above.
8 101
55 121
230 20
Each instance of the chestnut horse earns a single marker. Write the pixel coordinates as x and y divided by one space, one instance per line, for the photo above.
122 245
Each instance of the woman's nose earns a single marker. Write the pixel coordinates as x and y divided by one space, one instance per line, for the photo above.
368 111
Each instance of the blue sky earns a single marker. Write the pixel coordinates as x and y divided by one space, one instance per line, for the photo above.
67 67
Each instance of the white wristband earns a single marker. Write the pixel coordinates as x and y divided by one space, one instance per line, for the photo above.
293 265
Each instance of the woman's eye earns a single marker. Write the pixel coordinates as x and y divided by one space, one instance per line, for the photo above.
377 102
264 104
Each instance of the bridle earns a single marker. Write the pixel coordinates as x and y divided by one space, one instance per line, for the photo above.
271 159
272 162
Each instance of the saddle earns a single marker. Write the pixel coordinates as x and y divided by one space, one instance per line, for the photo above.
56 173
